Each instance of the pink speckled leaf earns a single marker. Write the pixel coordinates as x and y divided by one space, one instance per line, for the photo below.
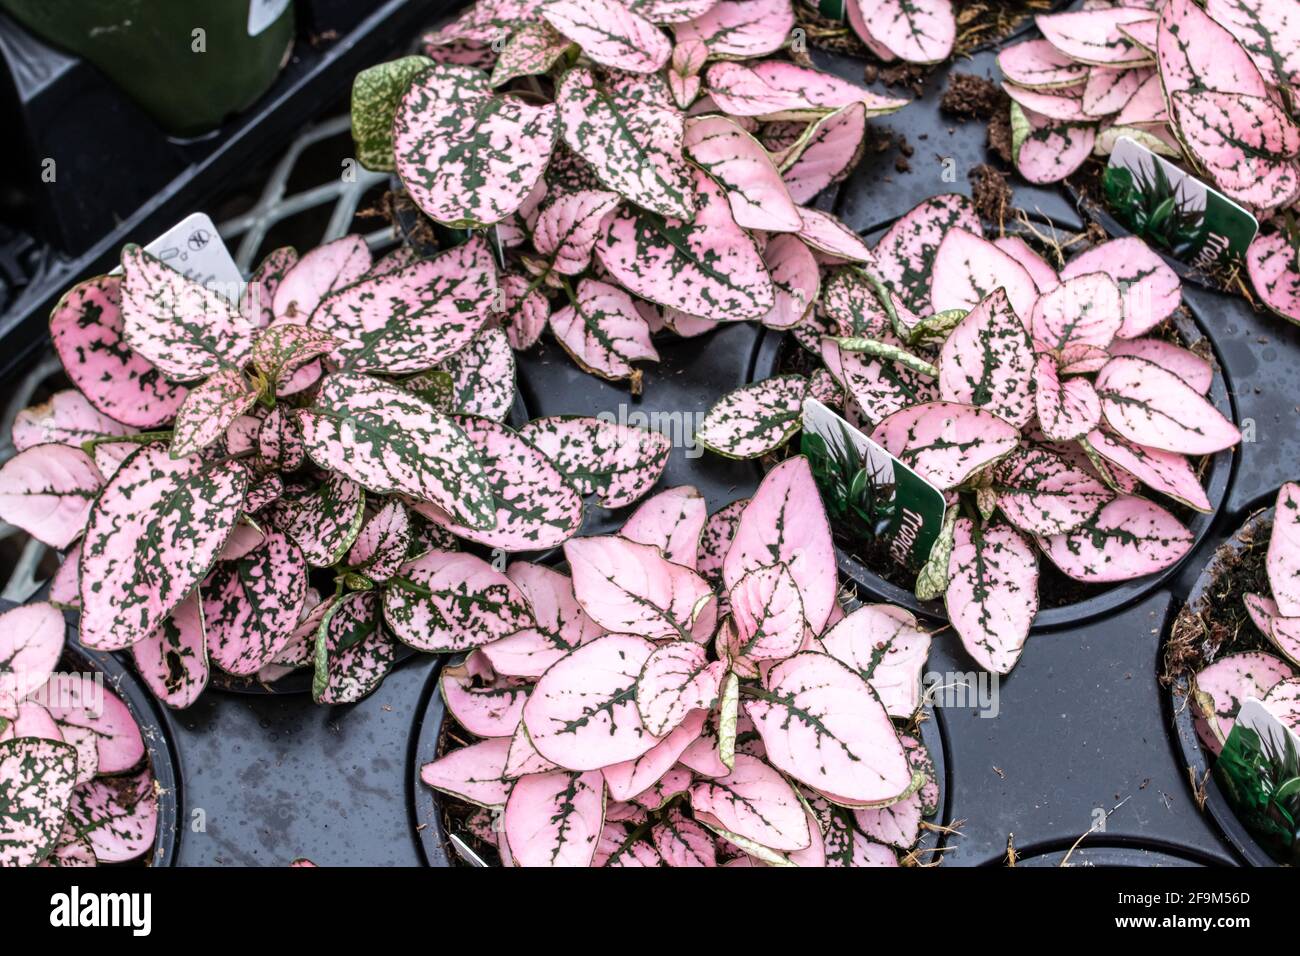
634 144
555 819
944 441
252 606
768 614
968 268
582 714
987 361
486 707
681 842
279 445
631 777
86 710
65 587
258 301
475 774
1128 538
755 802
755 419
483 376
48 491
1194 52
676 679
382 545
31 641
785 522
353 651
918 31
1270 33
738 29
1094 37
620 463
1043 494
390 441
449 601
537 506
1221 688
1271 263
324 520
1108 90
1246 144
67 418
611 34
568 226
1283 632
715 540
888 649
1052 106
173 660
1067 408
824 233
182 328
523 757
899 824
1283 701
153 533
1037 64
118 817
826 154
709 267
1150 405
822 724
795 278
412 318
466 156
559 623
670 11
1048 150
323 270
776 90
905 254
531 50
1164 471
1146 106
992 594
86 328
1284 551
209 410
1082 310
36 782
672 522
524 313
631 588
285 347
604 333
758 197
1152 290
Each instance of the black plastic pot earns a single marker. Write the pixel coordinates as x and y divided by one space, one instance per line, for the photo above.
427 803
1182 717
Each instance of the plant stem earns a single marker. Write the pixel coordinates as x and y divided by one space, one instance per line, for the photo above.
140 438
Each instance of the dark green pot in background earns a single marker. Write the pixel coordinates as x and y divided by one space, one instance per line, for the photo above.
188 81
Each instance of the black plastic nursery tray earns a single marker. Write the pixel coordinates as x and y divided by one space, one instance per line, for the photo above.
1081 738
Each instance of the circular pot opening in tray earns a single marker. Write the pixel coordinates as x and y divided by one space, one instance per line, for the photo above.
439 820
1211 624
1107 856
1063 601
159 748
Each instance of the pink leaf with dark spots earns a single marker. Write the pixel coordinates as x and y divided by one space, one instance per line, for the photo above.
323 522
582 714
475 774
86 328
1164 471
36 782
1067 409
776 90
1042 494
1283 702
382 545
905 254
824 233
1194 52
672 522
1047 150
737 29
796 279
604 333
944 441
677 678
1152 406
486 708
1186 364
631 777
611 34
708 267
1284 551
758 197
1108 90
173 660
987 361
619 463
323 270
768 613
182 328
1146 106
453 602
826 154
1094 37
1270 33
992 594
66 419
785 522
466 156
31 641
86 710
1036 64
555 819
209 410
1055 106
1128 538
153 533
258 301
967 269
755 419
524 313
65 587
715 540
888 649
353 652
1219 690
670 11
559 623
483 376
569 225
523 757
1152 291
1270 261
119 818
531 50
682 842
918 31
48 491
631 588
252 606
755 802
822 724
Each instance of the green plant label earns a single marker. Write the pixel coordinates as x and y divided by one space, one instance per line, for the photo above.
1170 208
871 497
1259 771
